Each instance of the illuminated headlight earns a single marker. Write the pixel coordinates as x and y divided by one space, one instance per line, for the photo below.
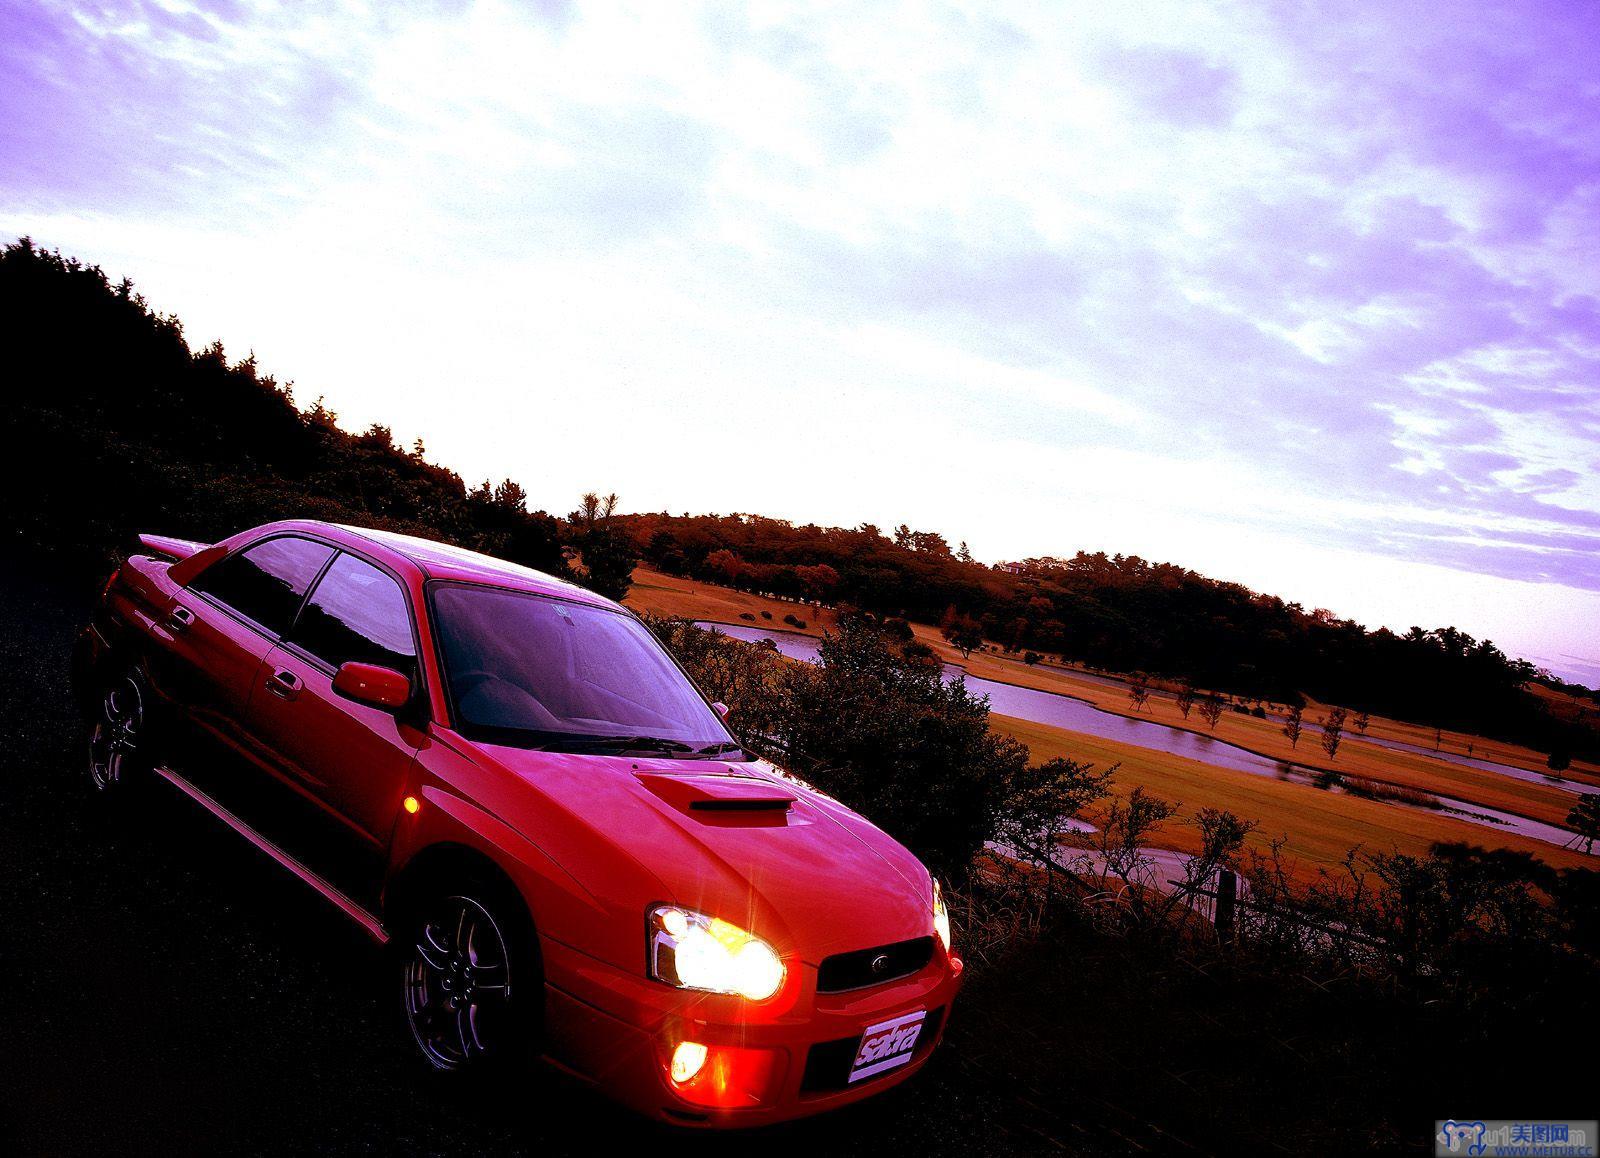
694 951
941 917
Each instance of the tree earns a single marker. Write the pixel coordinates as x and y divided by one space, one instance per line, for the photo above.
1186 697
1040 802
1292 724
724 566
963 554
897 630
605 550
818 582
1560 760
1211 710
1363 719
1584 819
963 632
1031 657
1138 690
1333 731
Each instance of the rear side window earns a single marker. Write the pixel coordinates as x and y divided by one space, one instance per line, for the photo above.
357 613
266 582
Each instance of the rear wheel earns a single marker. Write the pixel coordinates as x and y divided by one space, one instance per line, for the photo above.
471 982
118 736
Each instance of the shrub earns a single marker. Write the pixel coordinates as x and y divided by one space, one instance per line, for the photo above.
1394 793
871 725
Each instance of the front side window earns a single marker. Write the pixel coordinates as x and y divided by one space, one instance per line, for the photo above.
523 668
267 581
357 613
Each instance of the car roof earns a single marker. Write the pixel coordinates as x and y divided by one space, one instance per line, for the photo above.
457 564
446 561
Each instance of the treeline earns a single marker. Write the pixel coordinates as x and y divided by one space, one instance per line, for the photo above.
1124 613
115 426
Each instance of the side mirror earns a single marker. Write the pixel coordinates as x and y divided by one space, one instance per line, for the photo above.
723 710
367 683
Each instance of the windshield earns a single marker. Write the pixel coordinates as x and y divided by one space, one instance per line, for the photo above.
524 668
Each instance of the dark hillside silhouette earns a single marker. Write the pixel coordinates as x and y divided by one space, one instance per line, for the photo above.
115 426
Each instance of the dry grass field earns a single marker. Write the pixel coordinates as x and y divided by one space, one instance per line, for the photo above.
668 595
1319 826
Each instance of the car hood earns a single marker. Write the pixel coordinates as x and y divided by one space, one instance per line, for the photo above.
810 876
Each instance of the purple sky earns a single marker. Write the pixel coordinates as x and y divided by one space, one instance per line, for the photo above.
1306 296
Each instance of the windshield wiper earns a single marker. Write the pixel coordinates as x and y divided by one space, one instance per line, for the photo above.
714 749
623 743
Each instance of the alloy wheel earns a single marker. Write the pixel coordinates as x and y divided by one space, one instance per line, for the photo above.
458 984
114 739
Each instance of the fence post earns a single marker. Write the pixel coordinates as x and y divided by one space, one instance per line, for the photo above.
1227 893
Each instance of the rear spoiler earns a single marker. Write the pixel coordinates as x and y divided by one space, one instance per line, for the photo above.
168 548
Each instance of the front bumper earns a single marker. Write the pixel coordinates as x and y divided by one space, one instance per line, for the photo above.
790 1057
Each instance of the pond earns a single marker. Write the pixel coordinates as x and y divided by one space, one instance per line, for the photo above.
1062 711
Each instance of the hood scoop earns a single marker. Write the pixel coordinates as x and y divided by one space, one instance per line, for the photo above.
722 799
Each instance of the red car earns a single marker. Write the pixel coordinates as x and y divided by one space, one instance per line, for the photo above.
508 779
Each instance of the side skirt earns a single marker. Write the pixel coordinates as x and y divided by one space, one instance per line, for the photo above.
331 893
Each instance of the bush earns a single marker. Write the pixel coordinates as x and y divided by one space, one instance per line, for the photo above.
747 615
871 725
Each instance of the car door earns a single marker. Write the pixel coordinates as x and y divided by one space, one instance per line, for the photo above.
221 628
354 757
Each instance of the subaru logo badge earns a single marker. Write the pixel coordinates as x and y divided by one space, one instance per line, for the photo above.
880 963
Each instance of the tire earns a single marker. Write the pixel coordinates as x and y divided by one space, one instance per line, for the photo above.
471 983
119 742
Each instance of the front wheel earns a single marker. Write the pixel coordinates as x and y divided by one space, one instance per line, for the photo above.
471 982
118 739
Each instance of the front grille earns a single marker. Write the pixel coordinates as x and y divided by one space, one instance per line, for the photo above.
828 1063
863 967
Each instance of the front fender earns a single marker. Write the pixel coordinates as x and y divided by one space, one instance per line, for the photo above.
556 900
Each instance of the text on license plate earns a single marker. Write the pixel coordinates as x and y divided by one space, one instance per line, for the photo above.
887 1045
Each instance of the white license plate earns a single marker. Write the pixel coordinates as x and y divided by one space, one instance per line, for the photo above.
887 1045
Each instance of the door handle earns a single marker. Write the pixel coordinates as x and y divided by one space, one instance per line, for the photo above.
285 683
180 618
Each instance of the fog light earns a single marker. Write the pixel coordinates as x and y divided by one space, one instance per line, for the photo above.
412 805
687 1060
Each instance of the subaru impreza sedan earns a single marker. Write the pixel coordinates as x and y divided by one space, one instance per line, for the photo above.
511 783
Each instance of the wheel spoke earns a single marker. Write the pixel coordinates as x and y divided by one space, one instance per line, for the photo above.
465 1032
432 956
436 940
475 947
